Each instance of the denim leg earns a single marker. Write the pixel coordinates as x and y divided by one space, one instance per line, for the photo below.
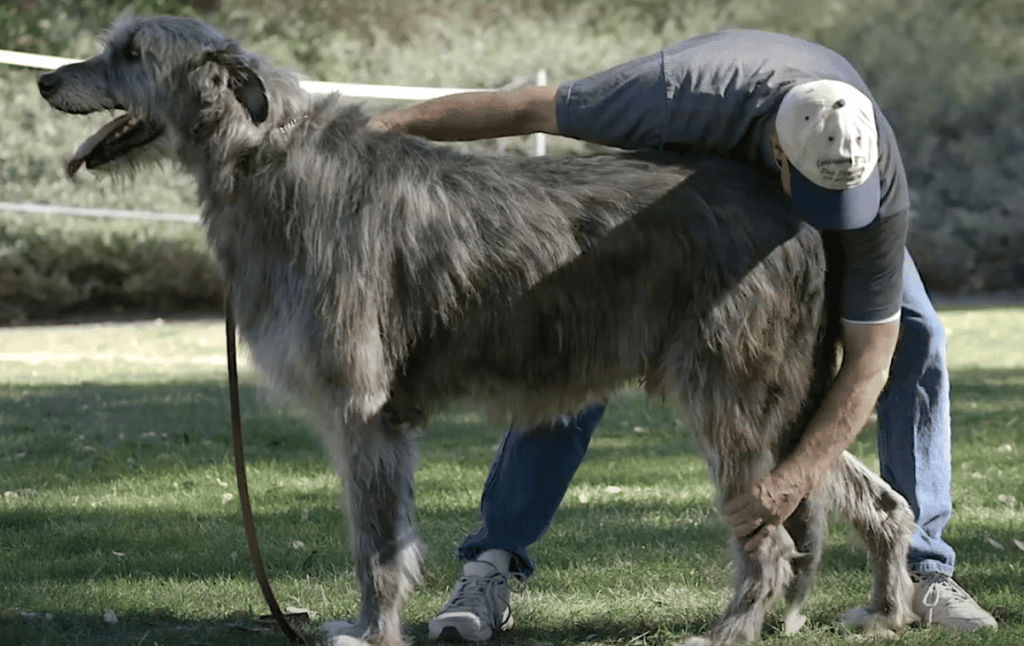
529 476
914 425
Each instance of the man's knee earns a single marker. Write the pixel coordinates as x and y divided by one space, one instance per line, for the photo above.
923 333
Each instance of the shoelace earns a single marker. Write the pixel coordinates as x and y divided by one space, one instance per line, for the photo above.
486 600
933 583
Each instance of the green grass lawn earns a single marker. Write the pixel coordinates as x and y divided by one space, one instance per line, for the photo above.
118 501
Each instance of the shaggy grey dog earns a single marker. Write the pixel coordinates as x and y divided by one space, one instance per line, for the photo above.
376 276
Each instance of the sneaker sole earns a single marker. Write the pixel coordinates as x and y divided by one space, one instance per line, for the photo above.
455 630
451 635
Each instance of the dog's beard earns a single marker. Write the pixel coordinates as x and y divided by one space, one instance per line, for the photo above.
125 140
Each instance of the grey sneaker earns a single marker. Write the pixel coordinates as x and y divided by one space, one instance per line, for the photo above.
938 599
477 608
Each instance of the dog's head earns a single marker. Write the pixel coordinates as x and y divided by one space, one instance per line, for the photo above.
177 81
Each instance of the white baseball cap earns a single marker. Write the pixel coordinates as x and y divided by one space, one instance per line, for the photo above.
827 130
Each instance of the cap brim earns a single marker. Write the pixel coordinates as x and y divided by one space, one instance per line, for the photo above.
827 209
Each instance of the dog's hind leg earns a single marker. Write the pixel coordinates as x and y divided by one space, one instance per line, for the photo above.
376 462
885 522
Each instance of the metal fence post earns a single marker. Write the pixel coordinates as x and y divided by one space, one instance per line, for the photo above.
540 140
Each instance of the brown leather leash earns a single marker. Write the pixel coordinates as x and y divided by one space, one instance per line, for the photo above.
243 487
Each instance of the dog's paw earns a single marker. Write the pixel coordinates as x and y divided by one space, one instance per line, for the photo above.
865 621
793 622
346 640
697 641
343 633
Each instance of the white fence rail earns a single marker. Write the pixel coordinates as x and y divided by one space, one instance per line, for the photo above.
351 90
354 90
91 212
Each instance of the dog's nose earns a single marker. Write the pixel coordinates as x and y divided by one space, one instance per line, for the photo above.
48 84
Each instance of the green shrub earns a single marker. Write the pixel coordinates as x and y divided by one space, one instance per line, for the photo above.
54 266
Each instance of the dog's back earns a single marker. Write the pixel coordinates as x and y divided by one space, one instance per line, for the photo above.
705 261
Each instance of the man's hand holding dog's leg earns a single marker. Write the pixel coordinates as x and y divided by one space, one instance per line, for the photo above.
770 502
867 353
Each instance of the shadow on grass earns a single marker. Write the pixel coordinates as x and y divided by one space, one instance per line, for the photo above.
72 630
179 554
1001 385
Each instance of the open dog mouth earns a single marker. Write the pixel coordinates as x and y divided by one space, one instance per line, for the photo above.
112 142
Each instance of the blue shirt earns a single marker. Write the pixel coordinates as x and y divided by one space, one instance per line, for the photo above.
718 94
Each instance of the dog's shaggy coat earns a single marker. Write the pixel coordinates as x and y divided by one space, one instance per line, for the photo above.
376 276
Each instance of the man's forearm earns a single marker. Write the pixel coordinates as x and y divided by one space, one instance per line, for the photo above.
455 117
475 115
832 430
847 406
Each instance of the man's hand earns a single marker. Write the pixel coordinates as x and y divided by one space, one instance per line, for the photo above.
867 352
770 502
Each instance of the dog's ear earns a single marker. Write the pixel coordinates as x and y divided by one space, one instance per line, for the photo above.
251 93
246 84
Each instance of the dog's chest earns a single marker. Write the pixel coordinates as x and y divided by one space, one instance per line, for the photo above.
272 297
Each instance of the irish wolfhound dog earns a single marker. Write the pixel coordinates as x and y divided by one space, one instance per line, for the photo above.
376 276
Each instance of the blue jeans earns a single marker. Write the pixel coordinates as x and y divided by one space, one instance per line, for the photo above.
532 469
914 425
529 476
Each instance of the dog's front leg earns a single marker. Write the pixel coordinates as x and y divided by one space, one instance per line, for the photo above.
376 462
807 528
762 576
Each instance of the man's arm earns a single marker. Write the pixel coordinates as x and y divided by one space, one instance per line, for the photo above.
867 353
476 115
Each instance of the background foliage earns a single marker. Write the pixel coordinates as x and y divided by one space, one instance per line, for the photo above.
948 73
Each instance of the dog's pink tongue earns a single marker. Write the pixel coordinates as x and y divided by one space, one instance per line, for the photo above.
90 144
